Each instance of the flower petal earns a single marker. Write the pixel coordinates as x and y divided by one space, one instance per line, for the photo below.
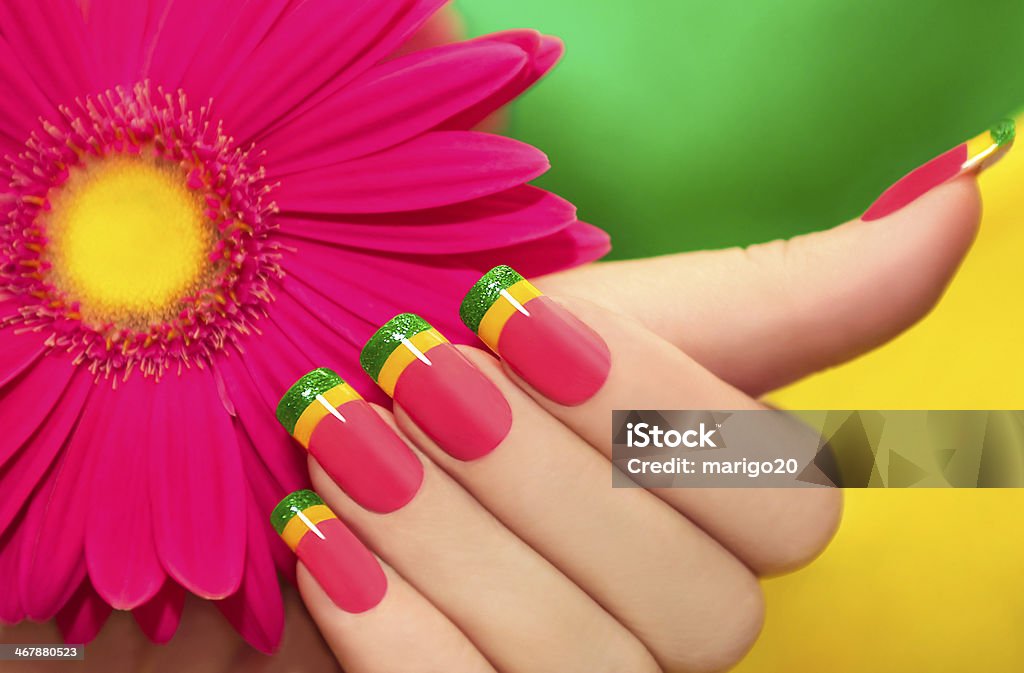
20 475
393 102
50 40
29 400
226 48
256 609
251 394
435 169
81 619
119 549
52 566
375 287
188 30
22 103
444 27
573 246
299 57
267 491
159 616
197 486
11 609
17 353
544 50
514 216
120 33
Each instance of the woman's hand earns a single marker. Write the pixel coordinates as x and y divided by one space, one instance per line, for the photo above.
509 550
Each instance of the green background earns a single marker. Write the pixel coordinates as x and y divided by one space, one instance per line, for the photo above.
685 125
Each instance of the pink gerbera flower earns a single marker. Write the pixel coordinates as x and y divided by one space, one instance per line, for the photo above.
201 201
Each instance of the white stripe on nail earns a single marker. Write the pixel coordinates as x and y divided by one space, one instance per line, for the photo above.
515 303
330 408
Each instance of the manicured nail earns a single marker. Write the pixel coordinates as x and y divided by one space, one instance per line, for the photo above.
441 390
353 444
346 570
547 346
973 156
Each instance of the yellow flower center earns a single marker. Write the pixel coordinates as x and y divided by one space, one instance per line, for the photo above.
127 239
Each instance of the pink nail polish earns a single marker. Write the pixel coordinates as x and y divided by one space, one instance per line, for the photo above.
547 346
360 452
972 156
346 570
451 400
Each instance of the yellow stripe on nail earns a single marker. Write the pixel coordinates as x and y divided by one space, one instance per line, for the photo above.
502 309
316 411
297 528
403 356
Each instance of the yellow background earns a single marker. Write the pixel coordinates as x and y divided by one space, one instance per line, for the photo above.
922 580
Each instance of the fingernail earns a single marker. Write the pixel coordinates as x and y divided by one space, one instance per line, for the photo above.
360 452
547 346
348 572
973 156
441 390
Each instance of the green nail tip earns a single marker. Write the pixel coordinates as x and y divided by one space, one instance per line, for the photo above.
382 344
484 293
292 504
300 395
1004 132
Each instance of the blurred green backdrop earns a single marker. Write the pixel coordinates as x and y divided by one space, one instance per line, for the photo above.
678 124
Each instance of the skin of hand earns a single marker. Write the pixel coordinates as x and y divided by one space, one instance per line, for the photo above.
526 559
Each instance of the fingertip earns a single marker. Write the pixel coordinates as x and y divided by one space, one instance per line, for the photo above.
915 252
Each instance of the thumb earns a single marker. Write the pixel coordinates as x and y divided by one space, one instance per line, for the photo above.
763 316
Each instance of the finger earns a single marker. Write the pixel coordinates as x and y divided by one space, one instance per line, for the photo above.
404 634
580 361
763 316
445 544
372 620
693 605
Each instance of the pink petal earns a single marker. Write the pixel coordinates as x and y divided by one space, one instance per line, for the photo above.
322 341
225 49
17 353
435 169
196 485
11 609
444 27
20 476
255 400
514 216
119 549
187 30
28 401
376 287
52 564
311 53
544 50
573 246
159 616
267 492
50 40
84 615
22 103
391 103
120 32
256 609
